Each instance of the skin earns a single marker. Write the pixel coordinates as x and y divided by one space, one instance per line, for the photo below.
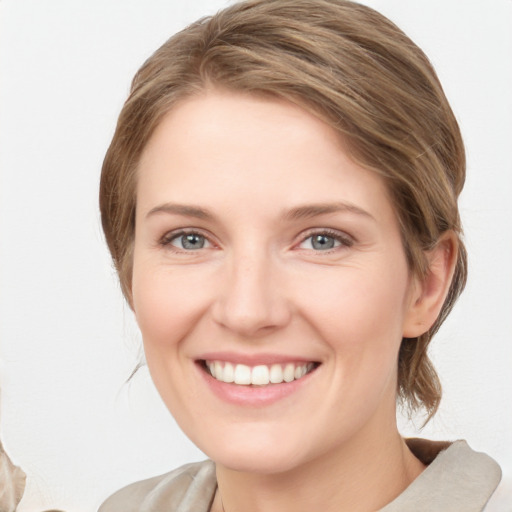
258 288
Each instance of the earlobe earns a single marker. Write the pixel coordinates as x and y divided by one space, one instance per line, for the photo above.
430 291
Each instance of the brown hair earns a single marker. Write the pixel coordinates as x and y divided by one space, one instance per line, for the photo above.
355 70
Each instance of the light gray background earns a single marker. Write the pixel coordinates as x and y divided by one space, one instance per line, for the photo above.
68 342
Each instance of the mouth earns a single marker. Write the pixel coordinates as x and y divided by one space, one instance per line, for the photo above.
258 375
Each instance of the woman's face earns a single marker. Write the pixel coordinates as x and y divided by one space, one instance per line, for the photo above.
263 254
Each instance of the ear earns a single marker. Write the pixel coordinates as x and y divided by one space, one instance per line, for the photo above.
429 293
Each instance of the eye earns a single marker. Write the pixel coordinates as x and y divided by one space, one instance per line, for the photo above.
186 241
325 241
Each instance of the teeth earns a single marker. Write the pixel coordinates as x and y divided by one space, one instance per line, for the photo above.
229 373
242 374
276 374
219 372
260 375
300 371
289 373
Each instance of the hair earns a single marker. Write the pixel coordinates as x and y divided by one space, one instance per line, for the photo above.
351 67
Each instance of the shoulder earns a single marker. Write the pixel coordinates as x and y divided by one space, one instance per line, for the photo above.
456 478
191 484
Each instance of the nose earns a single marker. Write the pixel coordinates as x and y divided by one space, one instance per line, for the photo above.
251 301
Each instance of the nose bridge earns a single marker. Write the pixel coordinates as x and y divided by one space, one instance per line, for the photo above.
251 301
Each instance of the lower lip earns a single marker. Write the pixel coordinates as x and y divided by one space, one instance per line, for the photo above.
253 396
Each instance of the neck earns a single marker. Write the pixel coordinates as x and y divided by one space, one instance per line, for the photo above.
364 476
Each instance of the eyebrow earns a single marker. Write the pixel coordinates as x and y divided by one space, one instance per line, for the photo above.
298 213
182 209
315 210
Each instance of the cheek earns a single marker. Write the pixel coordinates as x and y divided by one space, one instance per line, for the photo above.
360 316
166 304
361 321
358 307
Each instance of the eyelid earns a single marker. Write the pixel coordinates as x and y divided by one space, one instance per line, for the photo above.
344 238
169 236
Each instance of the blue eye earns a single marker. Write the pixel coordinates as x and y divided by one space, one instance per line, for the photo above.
188 241
325 241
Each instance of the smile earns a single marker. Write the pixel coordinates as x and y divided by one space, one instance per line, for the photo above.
260 375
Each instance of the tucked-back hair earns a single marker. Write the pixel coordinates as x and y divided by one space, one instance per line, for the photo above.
352 68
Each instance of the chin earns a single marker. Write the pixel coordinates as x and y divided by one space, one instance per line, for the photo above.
263 453
258 461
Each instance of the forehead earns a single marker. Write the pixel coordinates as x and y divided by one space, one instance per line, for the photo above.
248 120
239 149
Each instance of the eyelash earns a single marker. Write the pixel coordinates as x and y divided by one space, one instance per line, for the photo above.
168 238
343 239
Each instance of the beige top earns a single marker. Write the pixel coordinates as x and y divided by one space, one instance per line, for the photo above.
456 479
12 483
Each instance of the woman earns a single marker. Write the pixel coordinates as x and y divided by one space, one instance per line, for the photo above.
280 201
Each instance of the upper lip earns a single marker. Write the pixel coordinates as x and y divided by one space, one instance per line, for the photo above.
254 359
